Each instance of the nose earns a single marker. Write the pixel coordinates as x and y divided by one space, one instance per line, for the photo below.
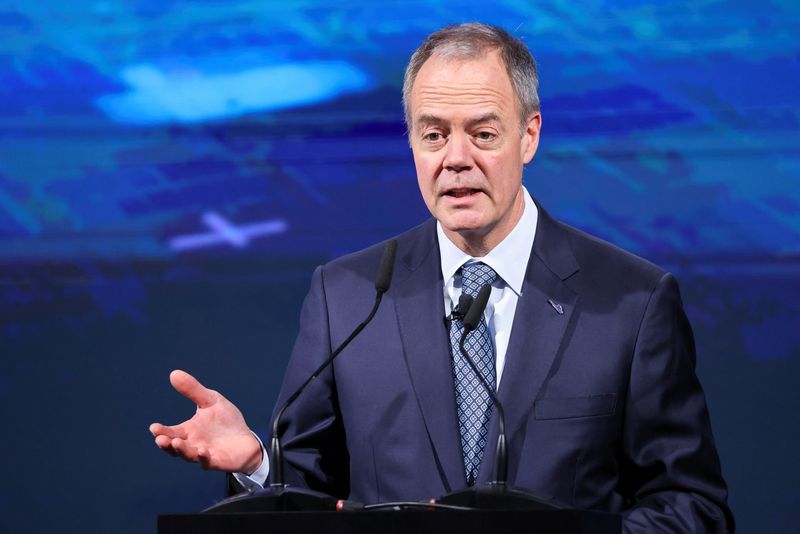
457 154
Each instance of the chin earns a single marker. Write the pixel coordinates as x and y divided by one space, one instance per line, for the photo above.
462 227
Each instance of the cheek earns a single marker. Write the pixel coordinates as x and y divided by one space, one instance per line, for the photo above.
494 167
426 182
423 179
427 169
503 173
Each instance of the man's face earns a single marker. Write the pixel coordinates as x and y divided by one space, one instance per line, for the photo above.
468 150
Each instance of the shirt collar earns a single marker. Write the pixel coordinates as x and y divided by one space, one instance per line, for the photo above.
505 257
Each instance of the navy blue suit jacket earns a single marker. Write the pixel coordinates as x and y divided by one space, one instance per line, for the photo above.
603 408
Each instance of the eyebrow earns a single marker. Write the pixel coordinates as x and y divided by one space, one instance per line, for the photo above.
433 120
486 117
429 120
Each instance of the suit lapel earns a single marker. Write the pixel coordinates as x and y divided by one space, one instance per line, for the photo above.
419 304
537 331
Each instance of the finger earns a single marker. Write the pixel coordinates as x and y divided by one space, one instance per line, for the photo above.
189 387
177 431
177 447
165 444
184 450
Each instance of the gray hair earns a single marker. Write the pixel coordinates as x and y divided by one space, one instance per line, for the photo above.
472 41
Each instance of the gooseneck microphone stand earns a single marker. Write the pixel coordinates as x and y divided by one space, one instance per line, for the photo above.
497 493
279 495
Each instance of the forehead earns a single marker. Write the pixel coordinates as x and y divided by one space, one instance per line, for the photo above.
446 86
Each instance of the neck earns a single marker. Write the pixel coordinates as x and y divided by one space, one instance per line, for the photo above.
475 245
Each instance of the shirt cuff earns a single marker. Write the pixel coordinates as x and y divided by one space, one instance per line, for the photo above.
257 478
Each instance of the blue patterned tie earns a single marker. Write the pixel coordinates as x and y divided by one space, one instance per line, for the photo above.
473 402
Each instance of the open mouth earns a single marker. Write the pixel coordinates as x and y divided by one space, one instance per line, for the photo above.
462 192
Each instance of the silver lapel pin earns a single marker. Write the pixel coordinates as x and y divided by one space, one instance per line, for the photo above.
556 306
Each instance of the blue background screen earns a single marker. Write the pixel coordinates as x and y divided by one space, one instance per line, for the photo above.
171 172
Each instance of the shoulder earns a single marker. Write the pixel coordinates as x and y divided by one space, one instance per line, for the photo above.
609 281
601 263
360 267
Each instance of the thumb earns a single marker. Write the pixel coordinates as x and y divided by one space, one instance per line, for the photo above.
189 387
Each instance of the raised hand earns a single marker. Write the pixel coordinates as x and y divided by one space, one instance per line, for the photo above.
216 437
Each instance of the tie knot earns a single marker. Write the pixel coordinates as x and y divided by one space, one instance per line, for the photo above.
474 276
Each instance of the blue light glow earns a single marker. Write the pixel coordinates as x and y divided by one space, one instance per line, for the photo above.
159 96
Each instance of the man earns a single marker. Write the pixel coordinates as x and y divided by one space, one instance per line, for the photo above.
588 346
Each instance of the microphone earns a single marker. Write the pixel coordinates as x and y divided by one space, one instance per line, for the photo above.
280 496
472 319
497 494
386 269
382 282
461 309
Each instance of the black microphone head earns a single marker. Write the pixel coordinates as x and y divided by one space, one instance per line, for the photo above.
384 278
475 312
464 303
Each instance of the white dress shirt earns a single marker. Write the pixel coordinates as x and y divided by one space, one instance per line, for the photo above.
510 264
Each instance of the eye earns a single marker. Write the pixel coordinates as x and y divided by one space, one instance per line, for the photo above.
433 138
486 135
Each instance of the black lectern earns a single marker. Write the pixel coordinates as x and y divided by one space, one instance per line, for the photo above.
434 521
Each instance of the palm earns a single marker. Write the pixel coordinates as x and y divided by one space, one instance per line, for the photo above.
216 436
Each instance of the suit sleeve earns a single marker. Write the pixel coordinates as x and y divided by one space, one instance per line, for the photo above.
673 479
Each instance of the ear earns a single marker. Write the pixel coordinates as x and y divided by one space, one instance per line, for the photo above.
530 138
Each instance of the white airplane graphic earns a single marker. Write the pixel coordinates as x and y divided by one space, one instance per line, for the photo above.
224 232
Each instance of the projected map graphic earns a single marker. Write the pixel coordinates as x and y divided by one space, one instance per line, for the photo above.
124 122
